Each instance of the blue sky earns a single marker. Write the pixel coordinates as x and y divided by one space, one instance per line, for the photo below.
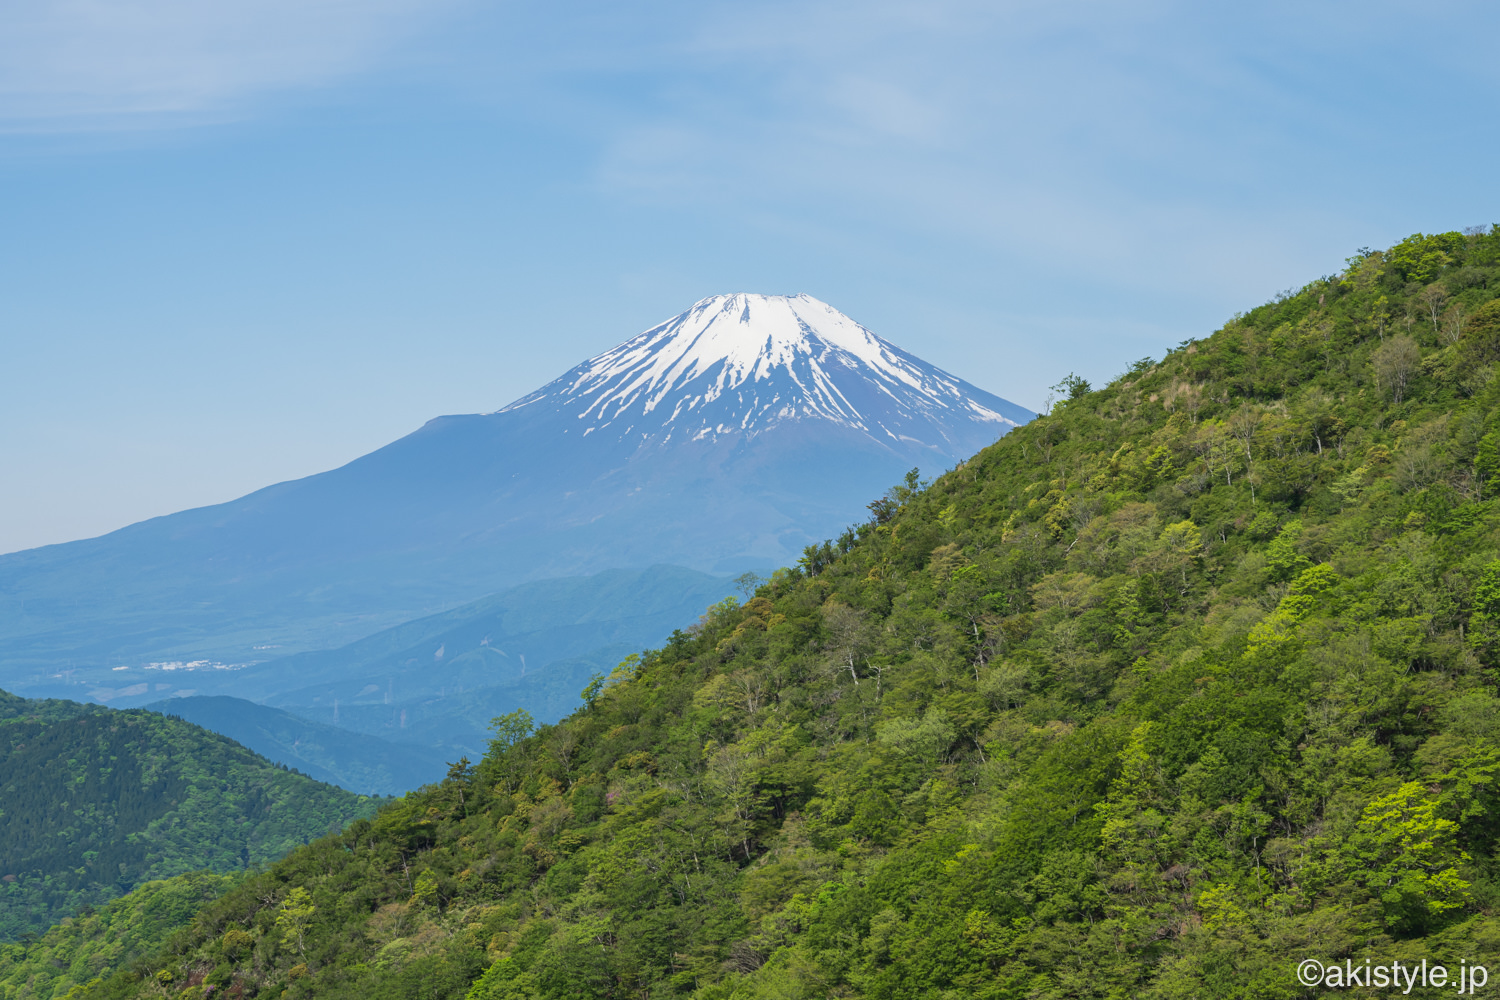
246 241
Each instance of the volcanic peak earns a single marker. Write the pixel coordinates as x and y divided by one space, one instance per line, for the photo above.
745 362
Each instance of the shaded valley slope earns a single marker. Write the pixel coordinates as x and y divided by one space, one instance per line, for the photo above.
94 802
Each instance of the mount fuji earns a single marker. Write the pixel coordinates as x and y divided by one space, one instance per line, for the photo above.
728 437
735 367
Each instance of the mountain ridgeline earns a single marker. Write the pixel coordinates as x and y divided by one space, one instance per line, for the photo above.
776 413
1186 682
360 763
94 802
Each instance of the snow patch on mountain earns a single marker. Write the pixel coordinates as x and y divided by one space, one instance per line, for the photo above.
744 363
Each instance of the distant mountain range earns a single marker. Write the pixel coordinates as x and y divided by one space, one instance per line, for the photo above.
726 438
354 761
386 713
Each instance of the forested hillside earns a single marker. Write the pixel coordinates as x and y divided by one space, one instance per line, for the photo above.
97 942
1187 681
94 802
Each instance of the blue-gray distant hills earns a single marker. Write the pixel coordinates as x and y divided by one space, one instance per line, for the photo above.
727 438
439 680
354 761
388 712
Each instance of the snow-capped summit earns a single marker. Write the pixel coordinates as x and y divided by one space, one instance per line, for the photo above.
743 364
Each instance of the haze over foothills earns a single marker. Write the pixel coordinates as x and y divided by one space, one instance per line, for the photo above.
249 242
726 440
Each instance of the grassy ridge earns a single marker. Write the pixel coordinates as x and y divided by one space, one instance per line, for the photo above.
1187 681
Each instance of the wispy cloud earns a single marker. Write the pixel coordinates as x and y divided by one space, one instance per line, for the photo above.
1081 131
101 62
1075 132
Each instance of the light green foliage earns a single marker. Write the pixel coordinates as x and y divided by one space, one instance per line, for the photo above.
1408 855
926 740
1132 820
1155 697
1299 603
595 685
1182 538
296 912
1220 909
1420 258
510 729
1282 557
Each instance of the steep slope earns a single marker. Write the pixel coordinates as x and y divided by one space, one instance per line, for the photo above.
366 765
722 440
1186 683
93 802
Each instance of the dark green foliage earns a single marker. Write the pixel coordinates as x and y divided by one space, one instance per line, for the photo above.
1189 680
94 802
